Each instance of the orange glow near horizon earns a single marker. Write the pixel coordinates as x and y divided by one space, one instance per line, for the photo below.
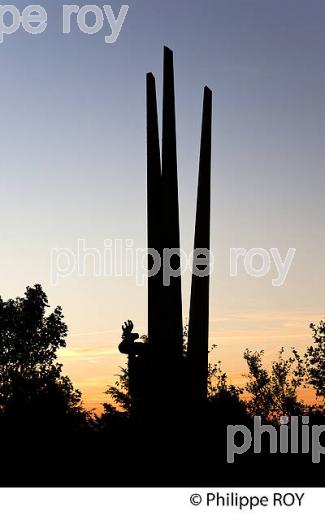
94 368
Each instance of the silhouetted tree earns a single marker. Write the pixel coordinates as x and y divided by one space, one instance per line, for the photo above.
274 393
218 380
119 394
225 404
315 361
33 390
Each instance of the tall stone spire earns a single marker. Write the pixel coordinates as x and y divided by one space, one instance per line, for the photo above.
154 213
172 294
198 332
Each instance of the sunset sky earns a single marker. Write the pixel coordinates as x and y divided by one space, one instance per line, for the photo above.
73 167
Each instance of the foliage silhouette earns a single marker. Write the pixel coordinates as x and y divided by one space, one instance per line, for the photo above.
315 361
120 393
33 390
274 394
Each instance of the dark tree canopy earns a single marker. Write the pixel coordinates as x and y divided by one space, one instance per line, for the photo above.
32 387
315 360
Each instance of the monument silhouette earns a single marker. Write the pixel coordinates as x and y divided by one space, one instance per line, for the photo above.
179 378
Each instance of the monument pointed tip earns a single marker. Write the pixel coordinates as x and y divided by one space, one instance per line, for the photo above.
207 90
167 51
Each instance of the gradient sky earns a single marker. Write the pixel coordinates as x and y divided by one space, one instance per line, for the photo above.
73 166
